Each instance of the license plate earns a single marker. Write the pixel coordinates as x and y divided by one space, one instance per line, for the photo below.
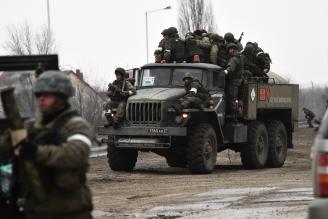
158 130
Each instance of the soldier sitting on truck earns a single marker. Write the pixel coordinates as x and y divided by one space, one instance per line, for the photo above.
158 56
118 92
309 116
174 48
230 38
196 95
261 59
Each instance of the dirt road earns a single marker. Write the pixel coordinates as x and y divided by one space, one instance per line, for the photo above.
155 190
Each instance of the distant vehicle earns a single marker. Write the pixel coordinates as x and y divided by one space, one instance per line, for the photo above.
262 130
319 207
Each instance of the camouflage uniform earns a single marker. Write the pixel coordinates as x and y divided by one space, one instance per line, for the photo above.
174 49
196 95
234 78
198 43
309 115
119 92
218 53
261 59
58 145
230 38
251 69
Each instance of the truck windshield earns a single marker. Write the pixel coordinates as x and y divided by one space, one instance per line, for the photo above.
159 77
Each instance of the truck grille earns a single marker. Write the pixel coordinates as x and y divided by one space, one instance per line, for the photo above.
144 113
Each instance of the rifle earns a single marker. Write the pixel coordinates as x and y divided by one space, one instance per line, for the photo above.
117 90
240 37
18 133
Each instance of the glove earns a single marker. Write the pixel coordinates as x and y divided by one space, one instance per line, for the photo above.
126 93
27 149
226 72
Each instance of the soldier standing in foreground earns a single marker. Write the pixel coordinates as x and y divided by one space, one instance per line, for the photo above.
309 116
196 95
57 143
118 92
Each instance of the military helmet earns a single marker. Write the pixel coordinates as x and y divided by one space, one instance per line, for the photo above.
232 45
56 82
216 37
249 49
254 44
187 75
229 37
171 30
164 32
120 71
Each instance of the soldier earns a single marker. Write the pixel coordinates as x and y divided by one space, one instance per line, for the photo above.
203 42
161 43
230 38
219 53
118 92
158 56
261 59
57 143
198 43
174 49
309 116
251 69
234 72
196 95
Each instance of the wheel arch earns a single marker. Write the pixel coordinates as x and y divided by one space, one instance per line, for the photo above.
210 118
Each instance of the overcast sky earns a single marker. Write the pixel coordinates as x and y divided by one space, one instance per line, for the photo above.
96 36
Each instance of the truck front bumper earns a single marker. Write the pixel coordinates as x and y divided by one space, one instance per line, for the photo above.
151 138
143 131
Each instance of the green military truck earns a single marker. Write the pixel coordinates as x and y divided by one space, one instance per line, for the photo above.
261 131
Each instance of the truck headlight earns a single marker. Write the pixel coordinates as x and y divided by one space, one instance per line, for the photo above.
181 118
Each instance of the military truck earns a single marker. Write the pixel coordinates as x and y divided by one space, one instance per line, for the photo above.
261 131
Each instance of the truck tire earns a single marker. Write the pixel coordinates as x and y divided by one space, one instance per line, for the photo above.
277 144
202 149
254 153
121 159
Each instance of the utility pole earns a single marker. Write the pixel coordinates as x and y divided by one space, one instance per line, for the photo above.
166 8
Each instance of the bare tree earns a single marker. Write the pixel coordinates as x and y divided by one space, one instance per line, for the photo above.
194 15
22 40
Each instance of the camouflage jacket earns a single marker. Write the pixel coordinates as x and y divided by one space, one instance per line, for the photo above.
219 55
174 50
121 90
196 88
235 67
62 161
